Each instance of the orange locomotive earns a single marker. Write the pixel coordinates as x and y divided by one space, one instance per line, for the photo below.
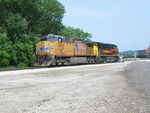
58 50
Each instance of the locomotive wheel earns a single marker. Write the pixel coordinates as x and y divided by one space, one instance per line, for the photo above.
62 63
56 63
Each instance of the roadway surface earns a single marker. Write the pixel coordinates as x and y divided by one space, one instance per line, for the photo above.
102 88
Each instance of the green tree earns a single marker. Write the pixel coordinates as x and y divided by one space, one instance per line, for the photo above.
15 26
41 16
3 38
22 22
76 33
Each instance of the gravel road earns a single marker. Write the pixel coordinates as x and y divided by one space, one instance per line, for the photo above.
102 88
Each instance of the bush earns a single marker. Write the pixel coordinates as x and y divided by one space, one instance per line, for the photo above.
4 58
21 65
4 62
21 53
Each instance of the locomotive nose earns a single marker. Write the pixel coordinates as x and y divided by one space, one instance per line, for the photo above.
43 48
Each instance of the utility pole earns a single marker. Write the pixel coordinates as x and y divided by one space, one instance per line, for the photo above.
135 54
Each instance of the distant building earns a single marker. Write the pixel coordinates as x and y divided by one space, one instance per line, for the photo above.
127 54
134 54
148 51
141 54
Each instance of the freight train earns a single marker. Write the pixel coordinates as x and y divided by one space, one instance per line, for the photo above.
59 50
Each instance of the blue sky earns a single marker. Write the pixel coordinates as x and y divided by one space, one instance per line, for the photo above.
122 22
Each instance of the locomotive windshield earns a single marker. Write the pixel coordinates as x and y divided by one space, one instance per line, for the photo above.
110 46
105 46
50 38
114 47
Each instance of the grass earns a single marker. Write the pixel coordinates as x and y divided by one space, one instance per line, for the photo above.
6 68
19 66
11 68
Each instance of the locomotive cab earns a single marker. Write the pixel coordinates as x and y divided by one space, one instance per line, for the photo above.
114 50
108 52
47 48
48 44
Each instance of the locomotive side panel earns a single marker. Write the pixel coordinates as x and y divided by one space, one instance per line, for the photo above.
80 49
68 49
95 49
89 50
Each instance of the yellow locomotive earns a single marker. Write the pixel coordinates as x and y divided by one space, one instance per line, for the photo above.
58 50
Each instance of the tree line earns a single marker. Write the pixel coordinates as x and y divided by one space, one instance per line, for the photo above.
23 22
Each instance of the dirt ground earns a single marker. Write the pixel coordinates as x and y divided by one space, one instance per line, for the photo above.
102 88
